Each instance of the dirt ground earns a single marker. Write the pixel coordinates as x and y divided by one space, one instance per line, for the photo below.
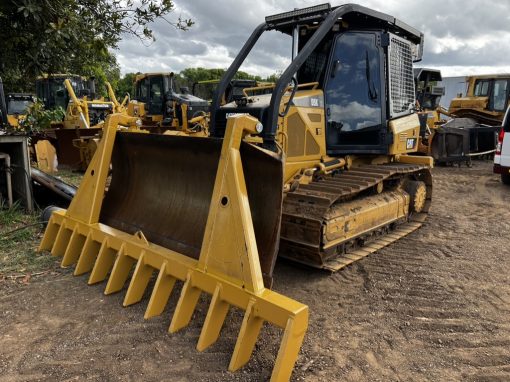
432 306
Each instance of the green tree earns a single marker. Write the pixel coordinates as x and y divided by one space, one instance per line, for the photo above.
125 85
73 36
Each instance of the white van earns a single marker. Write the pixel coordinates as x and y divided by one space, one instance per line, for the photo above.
502 156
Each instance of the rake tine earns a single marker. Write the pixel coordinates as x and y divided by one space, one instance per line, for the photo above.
139 281
248 334
103 264
73 249
120 272
213 321
87 257
160 294
185 306
50 234
289 348
61 241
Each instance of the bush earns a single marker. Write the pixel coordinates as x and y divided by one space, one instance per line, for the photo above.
39 119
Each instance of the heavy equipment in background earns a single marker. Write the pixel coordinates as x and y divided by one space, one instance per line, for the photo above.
17 107
478 115
82 121
235 89
51 91
160 107
460 133
321 169
438 137
485 101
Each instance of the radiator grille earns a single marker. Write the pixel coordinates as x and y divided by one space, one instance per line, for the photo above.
401 76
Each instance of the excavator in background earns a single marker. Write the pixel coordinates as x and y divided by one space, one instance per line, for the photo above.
321 171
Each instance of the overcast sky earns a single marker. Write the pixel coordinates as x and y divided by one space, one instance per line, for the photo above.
461 37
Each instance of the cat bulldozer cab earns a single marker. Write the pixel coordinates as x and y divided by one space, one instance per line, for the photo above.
17 107
161 107
51 90
485 101
320 171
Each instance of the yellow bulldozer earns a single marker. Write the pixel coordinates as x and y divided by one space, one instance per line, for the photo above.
84 115
470 127
161 107
320 171
485 101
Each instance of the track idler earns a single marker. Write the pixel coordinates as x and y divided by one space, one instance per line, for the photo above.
164 213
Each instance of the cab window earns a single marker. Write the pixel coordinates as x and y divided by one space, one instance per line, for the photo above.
482 88
353 91
499 95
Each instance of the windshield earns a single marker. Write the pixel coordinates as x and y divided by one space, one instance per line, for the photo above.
18 106
58 92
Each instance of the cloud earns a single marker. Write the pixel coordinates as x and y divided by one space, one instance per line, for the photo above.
461 38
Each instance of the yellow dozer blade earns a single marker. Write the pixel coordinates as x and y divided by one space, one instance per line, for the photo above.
200 210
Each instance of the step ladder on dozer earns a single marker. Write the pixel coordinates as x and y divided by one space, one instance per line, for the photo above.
227 265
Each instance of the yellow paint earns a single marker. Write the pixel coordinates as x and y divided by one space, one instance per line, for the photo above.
228 267
405 130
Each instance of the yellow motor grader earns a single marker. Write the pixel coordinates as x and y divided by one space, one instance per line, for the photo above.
320 171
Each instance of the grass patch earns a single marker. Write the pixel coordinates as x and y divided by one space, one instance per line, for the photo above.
20 235
72 177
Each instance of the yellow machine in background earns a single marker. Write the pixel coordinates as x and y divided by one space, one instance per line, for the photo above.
17 107
486 99
428 96
83 113
51 91
162 108
313 174
82 121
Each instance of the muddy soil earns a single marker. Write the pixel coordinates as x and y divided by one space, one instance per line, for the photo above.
433 306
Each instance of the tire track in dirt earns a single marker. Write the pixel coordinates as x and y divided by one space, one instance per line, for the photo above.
432 306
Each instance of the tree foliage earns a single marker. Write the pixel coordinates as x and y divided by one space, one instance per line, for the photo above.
125 85
192 75
71 36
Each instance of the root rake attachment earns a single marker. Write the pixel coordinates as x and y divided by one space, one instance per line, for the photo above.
227 268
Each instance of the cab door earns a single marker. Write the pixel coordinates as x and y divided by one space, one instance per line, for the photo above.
156 95
355 94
